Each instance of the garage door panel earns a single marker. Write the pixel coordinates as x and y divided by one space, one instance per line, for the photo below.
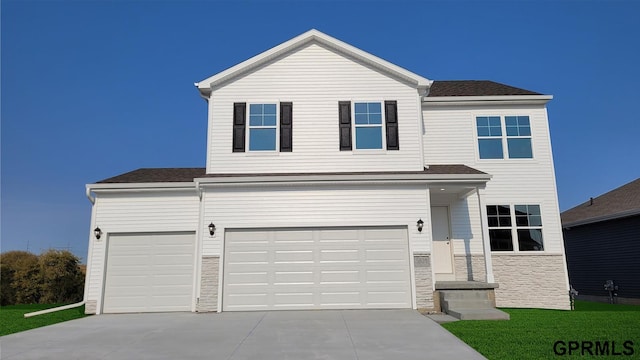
328 268
149 272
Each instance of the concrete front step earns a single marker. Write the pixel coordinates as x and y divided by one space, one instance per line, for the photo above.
478 314
465 294
467 304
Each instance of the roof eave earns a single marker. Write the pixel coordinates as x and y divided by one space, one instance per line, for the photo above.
488 100
425 178
97 187
596 219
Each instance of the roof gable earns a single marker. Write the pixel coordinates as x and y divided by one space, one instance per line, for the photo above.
617 203
310 37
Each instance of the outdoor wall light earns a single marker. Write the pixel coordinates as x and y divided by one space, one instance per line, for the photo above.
420 224
97 232
212 229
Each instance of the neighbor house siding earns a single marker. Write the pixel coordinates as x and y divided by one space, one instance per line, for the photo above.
314 79
607 250
150 212
316 206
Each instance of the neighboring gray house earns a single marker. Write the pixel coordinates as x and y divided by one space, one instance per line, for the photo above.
602 242
337 180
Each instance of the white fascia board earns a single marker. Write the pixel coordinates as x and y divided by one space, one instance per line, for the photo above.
160 186
207 84
619 215
488 100
338 178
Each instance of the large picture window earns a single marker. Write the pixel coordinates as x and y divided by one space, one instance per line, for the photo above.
522 223
496 135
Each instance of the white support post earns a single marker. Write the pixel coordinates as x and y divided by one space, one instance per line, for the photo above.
486 245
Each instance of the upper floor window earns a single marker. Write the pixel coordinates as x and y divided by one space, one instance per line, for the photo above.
368 125
374 125
262 127
524 224
267 124
516 138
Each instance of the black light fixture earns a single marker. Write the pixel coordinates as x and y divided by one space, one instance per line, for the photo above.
420 225
97 232
212 229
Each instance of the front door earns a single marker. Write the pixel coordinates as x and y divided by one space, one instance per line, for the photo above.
442 253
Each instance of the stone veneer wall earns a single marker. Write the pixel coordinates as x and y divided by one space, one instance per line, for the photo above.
209 284
469 267
90 307
424 282
531 280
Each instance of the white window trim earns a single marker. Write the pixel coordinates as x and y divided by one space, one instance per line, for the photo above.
514 229
383 127
249 127
504 139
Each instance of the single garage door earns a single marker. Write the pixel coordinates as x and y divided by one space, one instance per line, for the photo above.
336 268
149 272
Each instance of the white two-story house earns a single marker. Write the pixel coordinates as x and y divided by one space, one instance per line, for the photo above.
337 180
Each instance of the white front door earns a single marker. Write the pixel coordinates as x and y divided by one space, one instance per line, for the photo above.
442 253
326 268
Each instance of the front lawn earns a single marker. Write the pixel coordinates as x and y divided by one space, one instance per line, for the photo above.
13 321
542 334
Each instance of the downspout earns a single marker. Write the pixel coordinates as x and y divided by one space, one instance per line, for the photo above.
88 193
70 306
59 308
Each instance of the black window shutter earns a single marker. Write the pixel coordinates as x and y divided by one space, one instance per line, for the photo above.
239 124
344 110
391 119
286 119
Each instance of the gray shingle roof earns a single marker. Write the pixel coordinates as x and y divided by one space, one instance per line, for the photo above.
620 202
474 88
150 175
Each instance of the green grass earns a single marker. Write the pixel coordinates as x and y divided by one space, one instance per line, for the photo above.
13 321
531 333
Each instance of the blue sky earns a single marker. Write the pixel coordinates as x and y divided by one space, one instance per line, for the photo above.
93 89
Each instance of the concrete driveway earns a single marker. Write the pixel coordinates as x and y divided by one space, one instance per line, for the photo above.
327 334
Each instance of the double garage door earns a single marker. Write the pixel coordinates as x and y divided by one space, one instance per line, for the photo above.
333 268
149 272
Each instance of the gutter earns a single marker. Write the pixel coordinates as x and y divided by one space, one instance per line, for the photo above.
88 193
59 308
366 178
487 100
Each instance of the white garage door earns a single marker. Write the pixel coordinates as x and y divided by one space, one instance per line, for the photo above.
338 268
149 272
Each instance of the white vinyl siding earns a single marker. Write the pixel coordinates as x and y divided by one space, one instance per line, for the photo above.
326 268
150 212
316 206
450 139
149 273
314 79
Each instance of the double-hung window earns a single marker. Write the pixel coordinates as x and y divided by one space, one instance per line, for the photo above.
522 223
496 135
368 125
263 127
